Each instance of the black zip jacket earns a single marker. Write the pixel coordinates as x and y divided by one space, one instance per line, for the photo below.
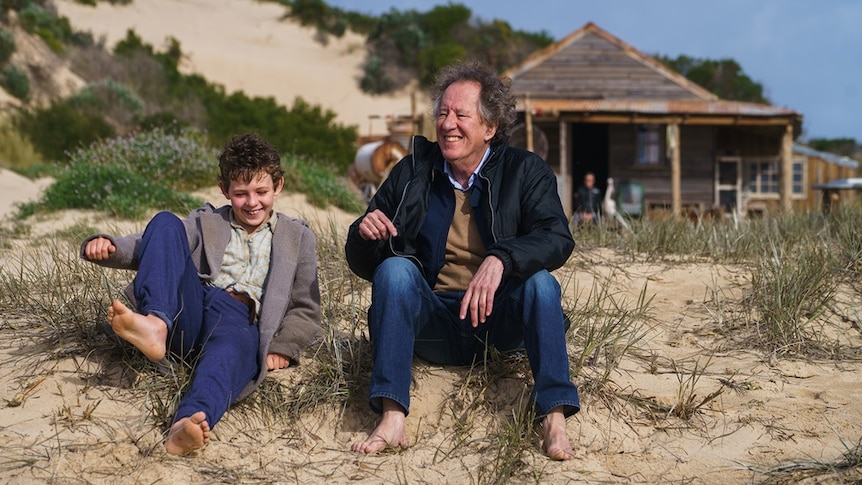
515 201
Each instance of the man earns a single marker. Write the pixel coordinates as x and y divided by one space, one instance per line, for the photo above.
589 198
458 244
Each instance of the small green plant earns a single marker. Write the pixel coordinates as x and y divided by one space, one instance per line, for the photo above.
687 404
54 30
60 128
111 100
16 82
7 45
319 184
845 223
790 290
510 444
605 328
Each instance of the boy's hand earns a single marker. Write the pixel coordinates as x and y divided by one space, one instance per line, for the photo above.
99 249
276 361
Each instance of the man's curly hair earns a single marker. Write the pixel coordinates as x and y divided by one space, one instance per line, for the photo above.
496 104
244 157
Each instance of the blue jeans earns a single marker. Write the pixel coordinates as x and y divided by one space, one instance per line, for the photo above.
407 317
205 324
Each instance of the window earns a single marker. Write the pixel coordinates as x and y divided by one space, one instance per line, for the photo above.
648 144
798 177
764 177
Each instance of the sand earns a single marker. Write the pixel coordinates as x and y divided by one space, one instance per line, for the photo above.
17 189
60 424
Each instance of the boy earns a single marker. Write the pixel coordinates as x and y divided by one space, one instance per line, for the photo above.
234 287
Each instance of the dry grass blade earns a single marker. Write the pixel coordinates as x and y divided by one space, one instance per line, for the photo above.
687 405
605 327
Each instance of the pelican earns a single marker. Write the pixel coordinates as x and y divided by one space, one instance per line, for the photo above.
609 205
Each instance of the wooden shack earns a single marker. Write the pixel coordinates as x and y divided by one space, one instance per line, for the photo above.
593 103
821 168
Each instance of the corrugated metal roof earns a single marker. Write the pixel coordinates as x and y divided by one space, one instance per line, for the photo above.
658 107
840 184
833 158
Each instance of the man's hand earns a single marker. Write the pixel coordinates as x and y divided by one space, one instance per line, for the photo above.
375 226
99 249
276 361
479 298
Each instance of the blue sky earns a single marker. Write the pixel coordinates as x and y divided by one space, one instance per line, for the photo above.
807 54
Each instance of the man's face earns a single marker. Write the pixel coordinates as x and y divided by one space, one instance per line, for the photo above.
462 135
252 202
589 181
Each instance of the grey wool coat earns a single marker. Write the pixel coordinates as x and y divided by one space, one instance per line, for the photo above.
289 317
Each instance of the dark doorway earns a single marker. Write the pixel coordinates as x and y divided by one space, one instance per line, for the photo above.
589 154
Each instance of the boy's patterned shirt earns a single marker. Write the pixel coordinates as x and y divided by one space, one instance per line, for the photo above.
246 260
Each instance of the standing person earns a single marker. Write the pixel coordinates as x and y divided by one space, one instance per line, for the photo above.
234 287
589 199
458 244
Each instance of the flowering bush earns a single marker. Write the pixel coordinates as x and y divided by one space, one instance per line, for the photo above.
180 160
128 176
113 189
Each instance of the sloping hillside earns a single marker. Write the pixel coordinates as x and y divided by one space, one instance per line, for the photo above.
246 46
49 73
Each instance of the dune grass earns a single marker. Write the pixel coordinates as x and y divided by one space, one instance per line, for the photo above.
794 264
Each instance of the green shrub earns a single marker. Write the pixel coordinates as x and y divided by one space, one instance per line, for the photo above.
16 82
845 222
129 176
181 161
320 185
59 128
7 45
304 129
111 100
374 79
790 291
16 152
54 30
113 189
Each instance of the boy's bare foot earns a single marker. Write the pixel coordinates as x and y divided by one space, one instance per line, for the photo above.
188 434
389 433
147 333
556 441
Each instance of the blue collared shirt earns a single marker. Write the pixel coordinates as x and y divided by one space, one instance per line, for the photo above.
457 184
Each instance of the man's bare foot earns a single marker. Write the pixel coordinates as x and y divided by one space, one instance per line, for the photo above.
188 434
147 333
556 441
389 433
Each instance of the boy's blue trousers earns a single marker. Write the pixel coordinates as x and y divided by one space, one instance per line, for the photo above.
207 327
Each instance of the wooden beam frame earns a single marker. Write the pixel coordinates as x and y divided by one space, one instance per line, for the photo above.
785 188
673 142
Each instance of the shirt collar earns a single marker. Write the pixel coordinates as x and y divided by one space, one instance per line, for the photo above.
270 224
448 171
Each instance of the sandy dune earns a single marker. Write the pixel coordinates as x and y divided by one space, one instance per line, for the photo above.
245 46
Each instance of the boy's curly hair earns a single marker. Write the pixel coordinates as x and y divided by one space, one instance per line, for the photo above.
244 157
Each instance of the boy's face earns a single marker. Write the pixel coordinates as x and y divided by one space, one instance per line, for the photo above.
252 202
